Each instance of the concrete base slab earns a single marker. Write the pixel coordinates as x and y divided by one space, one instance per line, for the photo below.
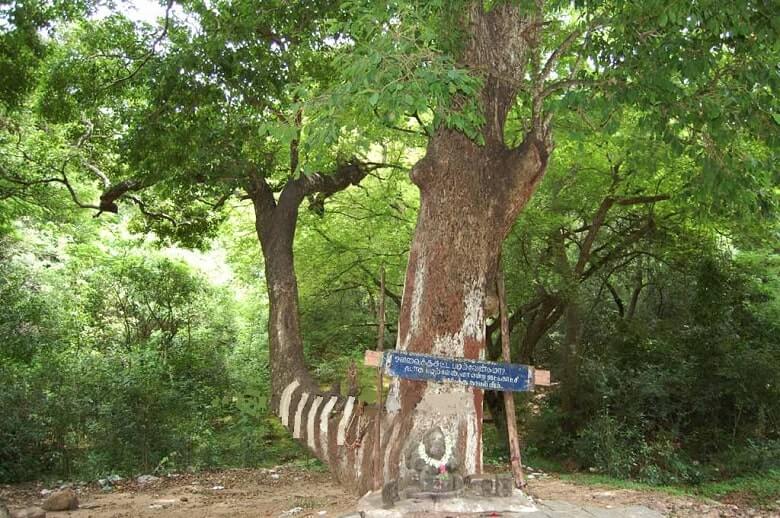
519 505
371 505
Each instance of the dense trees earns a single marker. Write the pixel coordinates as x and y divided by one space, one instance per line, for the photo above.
654 125
116 360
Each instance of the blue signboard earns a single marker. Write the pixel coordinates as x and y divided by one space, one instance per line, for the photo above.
475 373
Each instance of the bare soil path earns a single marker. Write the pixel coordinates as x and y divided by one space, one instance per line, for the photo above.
298 493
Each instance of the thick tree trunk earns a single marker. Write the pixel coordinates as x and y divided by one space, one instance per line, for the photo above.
470 196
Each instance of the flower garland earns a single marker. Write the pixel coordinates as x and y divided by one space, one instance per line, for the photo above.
436 463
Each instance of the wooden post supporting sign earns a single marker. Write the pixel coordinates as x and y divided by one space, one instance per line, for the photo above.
509 399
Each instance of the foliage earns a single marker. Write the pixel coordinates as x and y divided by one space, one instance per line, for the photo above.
125 361
636 414
117 354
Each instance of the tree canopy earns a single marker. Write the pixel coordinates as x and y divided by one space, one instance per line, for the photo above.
618 161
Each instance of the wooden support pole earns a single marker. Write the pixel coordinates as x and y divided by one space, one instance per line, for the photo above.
380 343
509 399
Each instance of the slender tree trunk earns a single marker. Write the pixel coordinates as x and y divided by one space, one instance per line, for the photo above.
542 319
639 285
276 225
332 427
571 363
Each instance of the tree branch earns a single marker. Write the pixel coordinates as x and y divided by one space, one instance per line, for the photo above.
325 185
100 174
559 51
110 196
566 84
149 214
151 52
616 298
637 200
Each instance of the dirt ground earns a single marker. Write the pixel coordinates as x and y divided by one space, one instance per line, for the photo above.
293 492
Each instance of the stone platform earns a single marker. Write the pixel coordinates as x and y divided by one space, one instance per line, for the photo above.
518 505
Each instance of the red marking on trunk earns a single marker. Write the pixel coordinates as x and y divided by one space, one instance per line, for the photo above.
478 397
472 347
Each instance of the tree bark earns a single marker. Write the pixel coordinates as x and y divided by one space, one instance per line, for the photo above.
275 223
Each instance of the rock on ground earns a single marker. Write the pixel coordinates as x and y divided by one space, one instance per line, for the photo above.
65 500
29 512
147 479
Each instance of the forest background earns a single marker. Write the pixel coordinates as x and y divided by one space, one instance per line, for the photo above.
132 343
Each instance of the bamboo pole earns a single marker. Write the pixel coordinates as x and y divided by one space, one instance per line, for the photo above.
380 343
509 399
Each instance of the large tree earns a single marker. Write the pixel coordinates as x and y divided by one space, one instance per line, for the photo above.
489 145
222 110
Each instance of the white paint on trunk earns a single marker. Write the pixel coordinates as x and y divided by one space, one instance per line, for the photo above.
393 400
448 345
417 297
299 415
359 460
473 325
449 406
310 422
341 436
324 423
469 463
474 313
284 403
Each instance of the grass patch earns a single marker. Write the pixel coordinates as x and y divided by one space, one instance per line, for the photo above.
541 463
760 490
